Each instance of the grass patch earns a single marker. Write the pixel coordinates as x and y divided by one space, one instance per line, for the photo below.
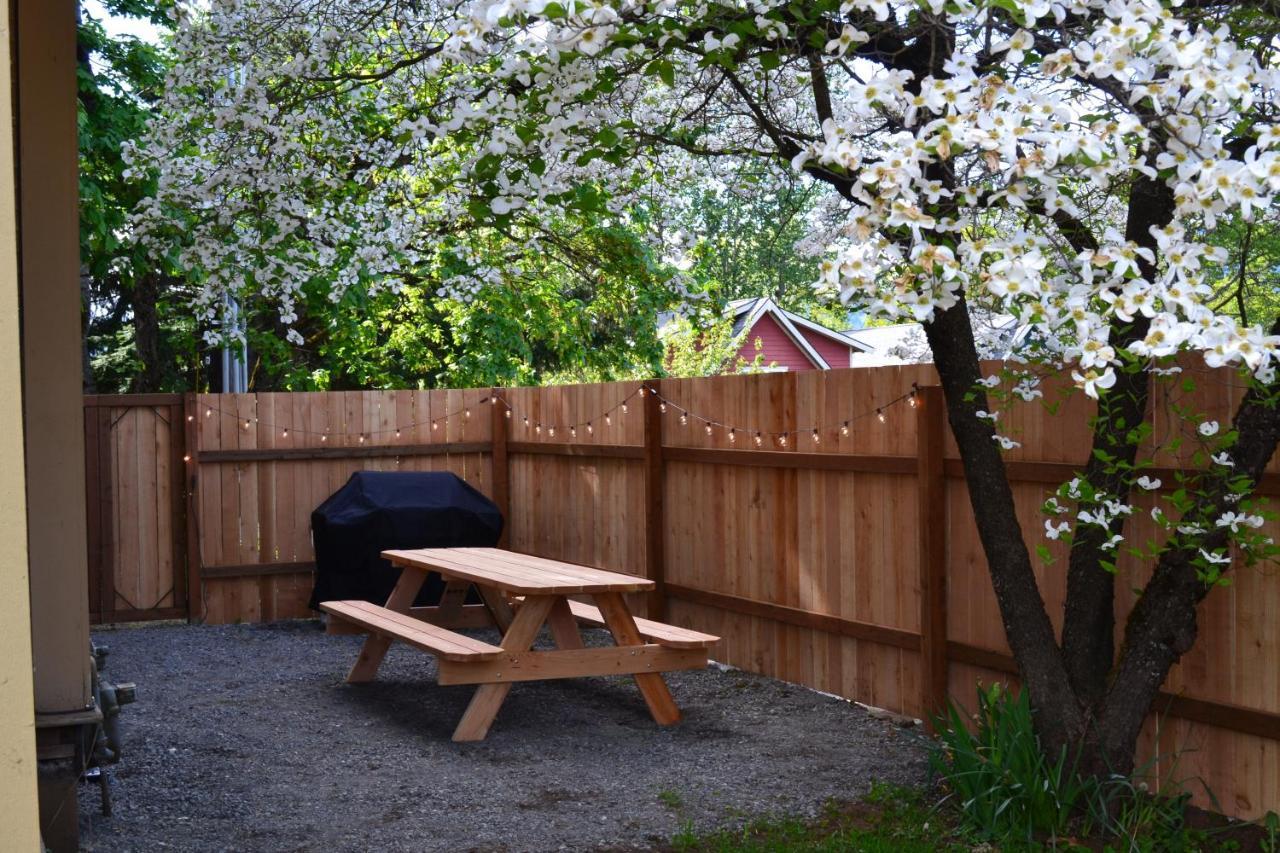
889 819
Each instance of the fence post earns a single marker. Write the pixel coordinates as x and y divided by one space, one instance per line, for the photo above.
191 481
655 541
501 470
931 489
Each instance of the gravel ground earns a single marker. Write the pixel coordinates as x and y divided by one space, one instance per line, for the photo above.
246 738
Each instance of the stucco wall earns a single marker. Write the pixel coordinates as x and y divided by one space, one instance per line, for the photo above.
19 826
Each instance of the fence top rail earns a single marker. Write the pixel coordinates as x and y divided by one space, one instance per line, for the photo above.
128 400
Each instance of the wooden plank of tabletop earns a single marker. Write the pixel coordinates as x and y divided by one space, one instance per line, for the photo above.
549 578
575 570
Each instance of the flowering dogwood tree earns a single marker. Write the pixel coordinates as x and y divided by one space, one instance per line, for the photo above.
1071 162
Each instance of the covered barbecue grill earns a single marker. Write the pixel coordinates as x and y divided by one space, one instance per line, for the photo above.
378 510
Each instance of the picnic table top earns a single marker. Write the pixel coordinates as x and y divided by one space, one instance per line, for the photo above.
523 574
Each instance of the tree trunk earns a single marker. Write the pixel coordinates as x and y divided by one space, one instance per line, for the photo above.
1026 623
146 334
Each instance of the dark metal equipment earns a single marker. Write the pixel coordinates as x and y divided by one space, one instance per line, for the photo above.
101 744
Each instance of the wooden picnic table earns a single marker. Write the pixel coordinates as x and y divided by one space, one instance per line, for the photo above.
519 594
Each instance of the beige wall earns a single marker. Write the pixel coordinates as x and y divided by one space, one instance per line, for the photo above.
18 811
51 354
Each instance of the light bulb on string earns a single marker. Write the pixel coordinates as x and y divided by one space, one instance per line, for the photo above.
190 418
435 425
662 407
324 437
284 433
362 438
911 401
640 391
526 422
684 419
466 413
608 420
551 431
624 408
733 436
246 424
397 433
573 432
186 458
538 429
816 438
844 428
881 416
759 439
708 429
208 412
507 414
590 429
782 439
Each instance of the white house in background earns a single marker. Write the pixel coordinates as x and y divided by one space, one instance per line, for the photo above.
998 336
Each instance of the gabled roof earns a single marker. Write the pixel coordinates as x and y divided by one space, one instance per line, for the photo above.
747 312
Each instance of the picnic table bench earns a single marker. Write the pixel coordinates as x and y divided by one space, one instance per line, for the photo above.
519 593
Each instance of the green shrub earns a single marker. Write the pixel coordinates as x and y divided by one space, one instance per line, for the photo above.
1003 785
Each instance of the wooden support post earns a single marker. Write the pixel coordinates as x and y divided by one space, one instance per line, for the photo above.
655 544
177 509
501 468
191 484
931 484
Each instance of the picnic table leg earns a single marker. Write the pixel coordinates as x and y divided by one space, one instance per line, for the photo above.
499 607
564 628
488 698
451 601
617 616
375 646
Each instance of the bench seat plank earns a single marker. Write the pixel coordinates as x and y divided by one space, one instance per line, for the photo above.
656 632
441 642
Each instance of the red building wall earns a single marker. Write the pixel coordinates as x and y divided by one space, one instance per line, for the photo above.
836 354
777 348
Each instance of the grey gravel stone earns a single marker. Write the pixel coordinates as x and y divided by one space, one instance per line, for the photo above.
246 738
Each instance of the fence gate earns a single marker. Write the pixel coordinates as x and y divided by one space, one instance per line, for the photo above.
134 473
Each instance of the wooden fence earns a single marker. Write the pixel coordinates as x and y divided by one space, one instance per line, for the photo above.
850 564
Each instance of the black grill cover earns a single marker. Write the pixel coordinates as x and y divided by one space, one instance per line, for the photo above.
378 510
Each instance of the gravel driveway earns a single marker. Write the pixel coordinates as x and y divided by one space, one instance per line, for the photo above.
246 738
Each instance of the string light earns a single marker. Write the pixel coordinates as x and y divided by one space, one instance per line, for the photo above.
186 458
538 429
782 439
